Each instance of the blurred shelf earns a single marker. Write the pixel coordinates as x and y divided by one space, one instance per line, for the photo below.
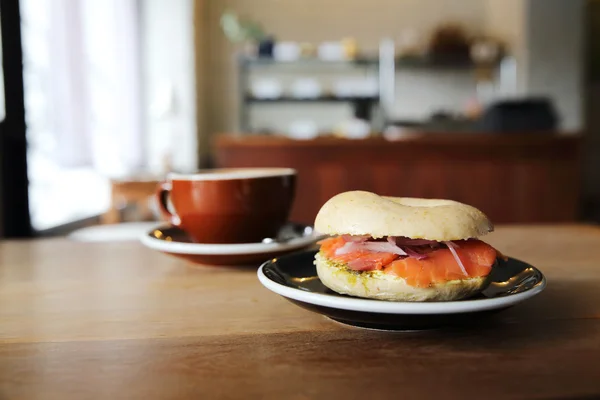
424 62
264 61
321 99
440 62
362 105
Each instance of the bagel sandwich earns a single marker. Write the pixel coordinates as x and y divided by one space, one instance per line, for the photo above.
403 249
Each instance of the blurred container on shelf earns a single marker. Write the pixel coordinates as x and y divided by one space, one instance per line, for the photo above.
306 88
350 47
331 51
266 88
397 132
303 130
484 51
287 51
307 50
266 46
520 115
450 42
353 128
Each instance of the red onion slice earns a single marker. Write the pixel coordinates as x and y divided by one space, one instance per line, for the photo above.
384 247
452 247
375 247
414 254
414 243
348 247
452 244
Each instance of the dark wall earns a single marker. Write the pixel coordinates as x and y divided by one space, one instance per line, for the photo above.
591 183
14 205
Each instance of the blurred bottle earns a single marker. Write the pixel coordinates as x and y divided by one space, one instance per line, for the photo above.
353 128
350 47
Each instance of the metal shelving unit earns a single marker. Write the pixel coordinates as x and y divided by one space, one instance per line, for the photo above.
363 106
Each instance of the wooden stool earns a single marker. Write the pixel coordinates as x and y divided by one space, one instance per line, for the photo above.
129 191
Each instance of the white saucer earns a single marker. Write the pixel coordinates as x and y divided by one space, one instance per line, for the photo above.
174 241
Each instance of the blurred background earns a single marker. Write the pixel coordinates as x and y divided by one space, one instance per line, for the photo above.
490 102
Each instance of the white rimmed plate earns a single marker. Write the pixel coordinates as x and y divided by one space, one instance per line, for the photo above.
295 278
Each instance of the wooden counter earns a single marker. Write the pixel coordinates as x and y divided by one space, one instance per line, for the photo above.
120 321
514 178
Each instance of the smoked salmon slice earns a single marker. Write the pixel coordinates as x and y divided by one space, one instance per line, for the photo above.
438 266
358 260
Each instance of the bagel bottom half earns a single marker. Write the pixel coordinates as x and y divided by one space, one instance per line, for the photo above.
382 286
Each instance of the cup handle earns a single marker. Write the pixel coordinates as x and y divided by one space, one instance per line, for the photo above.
163 191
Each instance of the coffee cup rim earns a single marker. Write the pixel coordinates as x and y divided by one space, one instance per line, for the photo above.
230 174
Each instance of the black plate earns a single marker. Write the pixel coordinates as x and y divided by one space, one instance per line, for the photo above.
508 278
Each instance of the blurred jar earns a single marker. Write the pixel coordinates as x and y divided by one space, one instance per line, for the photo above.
485 51
353 129
350 47
266 88
307 50
306 88
303 130
331 51
287 51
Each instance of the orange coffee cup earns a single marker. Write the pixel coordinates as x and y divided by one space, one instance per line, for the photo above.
236 205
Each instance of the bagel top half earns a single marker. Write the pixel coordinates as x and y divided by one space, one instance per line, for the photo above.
365 213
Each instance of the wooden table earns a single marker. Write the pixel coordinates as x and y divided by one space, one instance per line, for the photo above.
119 321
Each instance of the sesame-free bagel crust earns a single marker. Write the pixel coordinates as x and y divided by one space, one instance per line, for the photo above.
365 213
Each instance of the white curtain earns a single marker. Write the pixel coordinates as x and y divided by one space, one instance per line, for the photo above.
69 107
87 120
113 55
91 85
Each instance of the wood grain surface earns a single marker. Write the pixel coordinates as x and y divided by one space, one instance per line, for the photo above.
117 320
